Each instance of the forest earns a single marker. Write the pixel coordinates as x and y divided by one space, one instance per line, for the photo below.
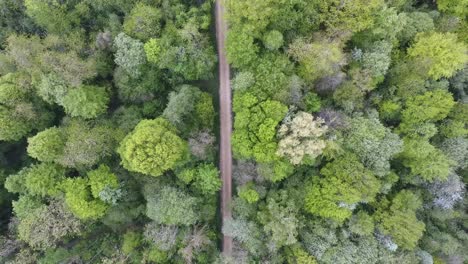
350 135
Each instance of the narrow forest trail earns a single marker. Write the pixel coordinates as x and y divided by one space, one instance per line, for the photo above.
225 157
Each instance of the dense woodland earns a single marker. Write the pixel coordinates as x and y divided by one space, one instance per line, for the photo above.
350 131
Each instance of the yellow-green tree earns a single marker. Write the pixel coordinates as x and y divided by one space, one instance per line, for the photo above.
345 182
442 52
152 148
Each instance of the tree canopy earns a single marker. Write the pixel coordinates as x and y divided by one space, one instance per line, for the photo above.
152 148
349 131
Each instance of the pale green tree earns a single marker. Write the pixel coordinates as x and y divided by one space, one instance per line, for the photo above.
130 54
170 206
301 138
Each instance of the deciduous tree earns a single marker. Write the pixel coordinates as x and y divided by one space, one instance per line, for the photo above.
280 220
301 138
317 58
46 226
373 143
255 127
443 53
143 22
345 182
398 219
152 148
87 101
170 206
20 111
425 160
190 109
80 201
130 54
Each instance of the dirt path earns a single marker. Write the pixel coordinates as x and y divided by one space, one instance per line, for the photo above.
225 157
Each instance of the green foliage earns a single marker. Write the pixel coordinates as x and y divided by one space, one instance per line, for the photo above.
187 53
44 179
157 256
312 102
389 110
279 219
86 101
429 107
78 77
254 127
349 97
453 129
20 111
46 226
398 219
204 178
345 183
170 206
300 256
12 129
373 143
100 179
131 241
76 145
425 160
377 59
190 109
271 74
152 148
256 15
458 8
52 88
15 183
442 53
25 205
316 59
416 22
352 16
51 14
153 50
207 179
241 49
14 19
139 89
273 40
130 54
242 81
388 24
246 232
143 22
248 193
78 199
86 144
361 224
47 145
408 79
276 170
456 149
